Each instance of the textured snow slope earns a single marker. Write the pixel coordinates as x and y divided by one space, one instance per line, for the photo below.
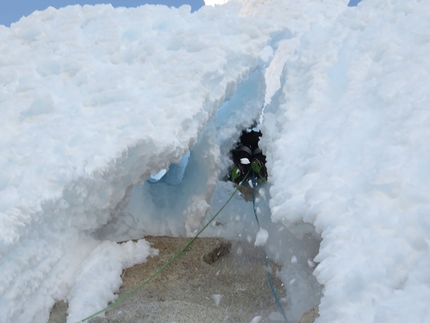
353 117
95 99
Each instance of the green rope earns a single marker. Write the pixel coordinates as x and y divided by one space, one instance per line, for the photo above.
133 291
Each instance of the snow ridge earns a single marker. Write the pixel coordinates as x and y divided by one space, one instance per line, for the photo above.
81 127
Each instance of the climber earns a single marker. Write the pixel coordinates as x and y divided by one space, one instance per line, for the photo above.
247 155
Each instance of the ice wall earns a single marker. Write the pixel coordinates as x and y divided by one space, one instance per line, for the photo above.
177 203
80 127
353 120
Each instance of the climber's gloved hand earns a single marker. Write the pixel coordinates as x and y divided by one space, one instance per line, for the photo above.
256 166
235 173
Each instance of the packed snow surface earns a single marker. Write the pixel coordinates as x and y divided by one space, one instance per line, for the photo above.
245 161
261 238
95 101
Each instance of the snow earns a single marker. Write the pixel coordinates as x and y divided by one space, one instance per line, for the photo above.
96 100
261 238
256 319
245 161
217 298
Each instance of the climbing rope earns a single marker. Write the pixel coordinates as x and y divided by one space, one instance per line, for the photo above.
146 281
266 262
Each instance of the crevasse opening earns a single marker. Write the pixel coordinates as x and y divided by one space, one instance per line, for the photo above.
178 201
